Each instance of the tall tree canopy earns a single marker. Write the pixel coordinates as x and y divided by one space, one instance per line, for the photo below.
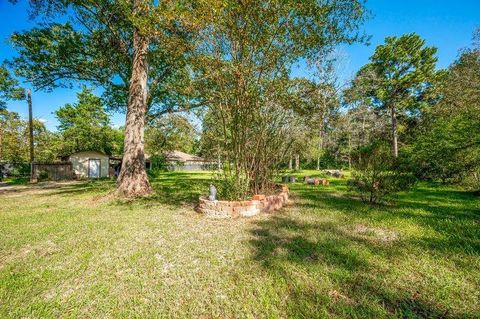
14 139
448 144
8 87
398 78
169 133
85 125
95 45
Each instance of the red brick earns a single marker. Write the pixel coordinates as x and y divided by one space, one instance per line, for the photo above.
258 197
246 203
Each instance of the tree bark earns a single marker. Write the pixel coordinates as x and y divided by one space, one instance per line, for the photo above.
394 132
297 162
290 164
320 138
133 180
349 151
320 146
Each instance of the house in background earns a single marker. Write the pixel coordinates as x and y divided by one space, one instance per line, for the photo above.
94 164
180 161
116 164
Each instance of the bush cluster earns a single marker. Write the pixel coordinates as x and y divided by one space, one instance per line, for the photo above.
378 174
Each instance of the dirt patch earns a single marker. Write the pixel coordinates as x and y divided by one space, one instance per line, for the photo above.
380 234
337 296
39 250
32 189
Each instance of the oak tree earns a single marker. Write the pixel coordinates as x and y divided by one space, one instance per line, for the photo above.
135 50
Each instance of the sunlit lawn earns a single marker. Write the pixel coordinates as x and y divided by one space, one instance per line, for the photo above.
68 251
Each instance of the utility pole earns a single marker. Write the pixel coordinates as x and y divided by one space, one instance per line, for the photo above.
30 129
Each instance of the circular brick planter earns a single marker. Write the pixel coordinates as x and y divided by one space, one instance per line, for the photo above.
244 208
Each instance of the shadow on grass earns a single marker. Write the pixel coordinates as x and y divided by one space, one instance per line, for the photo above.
178 188
170 188
454 215
16 181
51 188
298 251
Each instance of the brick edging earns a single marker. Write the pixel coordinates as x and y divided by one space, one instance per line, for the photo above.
244 208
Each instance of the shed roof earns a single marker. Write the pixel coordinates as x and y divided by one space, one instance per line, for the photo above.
89 152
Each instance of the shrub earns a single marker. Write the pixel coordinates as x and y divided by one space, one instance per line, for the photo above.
154 172
471 180
158 163
231 187
20 170
43 175
378 174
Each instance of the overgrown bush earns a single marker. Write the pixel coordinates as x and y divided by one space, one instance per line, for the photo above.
231 188
43 176
15 170
158 163
471 180
378 174
154 172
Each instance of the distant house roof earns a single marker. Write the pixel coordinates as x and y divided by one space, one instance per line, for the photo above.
174 156
182 157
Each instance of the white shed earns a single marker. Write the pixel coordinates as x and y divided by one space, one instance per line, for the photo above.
90 164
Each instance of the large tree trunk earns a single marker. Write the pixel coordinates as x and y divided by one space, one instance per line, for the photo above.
133 179
297 162
290 163
394 132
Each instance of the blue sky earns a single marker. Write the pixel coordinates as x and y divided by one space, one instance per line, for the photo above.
448 25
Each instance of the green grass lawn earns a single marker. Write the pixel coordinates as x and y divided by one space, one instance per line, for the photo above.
69 251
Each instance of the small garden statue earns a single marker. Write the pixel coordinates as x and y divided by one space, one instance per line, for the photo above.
213 193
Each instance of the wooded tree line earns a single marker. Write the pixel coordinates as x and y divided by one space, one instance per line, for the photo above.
427 117
82 126
85 126
230 62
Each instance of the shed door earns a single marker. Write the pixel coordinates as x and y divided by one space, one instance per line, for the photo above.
94 168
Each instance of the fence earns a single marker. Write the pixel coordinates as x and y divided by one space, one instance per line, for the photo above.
53 171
